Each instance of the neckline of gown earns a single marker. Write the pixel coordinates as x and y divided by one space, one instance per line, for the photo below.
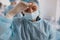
38 21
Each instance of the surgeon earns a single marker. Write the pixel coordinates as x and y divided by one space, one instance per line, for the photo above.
30 27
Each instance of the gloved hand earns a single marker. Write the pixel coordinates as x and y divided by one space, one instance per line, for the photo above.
20 7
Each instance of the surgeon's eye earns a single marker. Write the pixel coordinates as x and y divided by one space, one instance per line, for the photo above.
34 8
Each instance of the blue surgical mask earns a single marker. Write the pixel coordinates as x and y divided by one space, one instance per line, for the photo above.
31 16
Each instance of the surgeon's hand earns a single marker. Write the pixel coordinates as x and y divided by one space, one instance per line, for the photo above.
20 7
32 7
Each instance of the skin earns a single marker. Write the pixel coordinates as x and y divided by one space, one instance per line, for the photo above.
13 3
31 8
19 8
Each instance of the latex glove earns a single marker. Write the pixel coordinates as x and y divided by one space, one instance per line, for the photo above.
20 7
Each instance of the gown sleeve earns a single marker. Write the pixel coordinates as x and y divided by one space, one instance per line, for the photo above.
52 33
6 10
50 30
5 30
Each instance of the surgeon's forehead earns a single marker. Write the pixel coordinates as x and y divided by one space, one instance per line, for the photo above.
33 4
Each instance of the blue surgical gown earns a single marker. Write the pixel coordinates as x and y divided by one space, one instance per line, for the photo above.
22 29
5 31
25 30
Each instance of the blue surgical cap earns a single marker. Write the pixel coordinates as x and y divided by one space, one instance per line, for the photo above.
31 1
12 0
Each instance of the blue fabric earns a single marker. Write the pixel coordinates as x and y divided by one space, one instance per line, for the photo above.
5 31
31 1
12 0
58 34
27 30
22 29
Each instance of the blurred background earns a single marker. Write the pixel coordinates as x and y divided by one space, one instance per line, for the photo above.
49 10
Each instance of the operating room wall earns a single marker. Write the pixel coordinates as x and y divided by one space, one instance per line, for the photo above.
48 8
58 10
58 14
